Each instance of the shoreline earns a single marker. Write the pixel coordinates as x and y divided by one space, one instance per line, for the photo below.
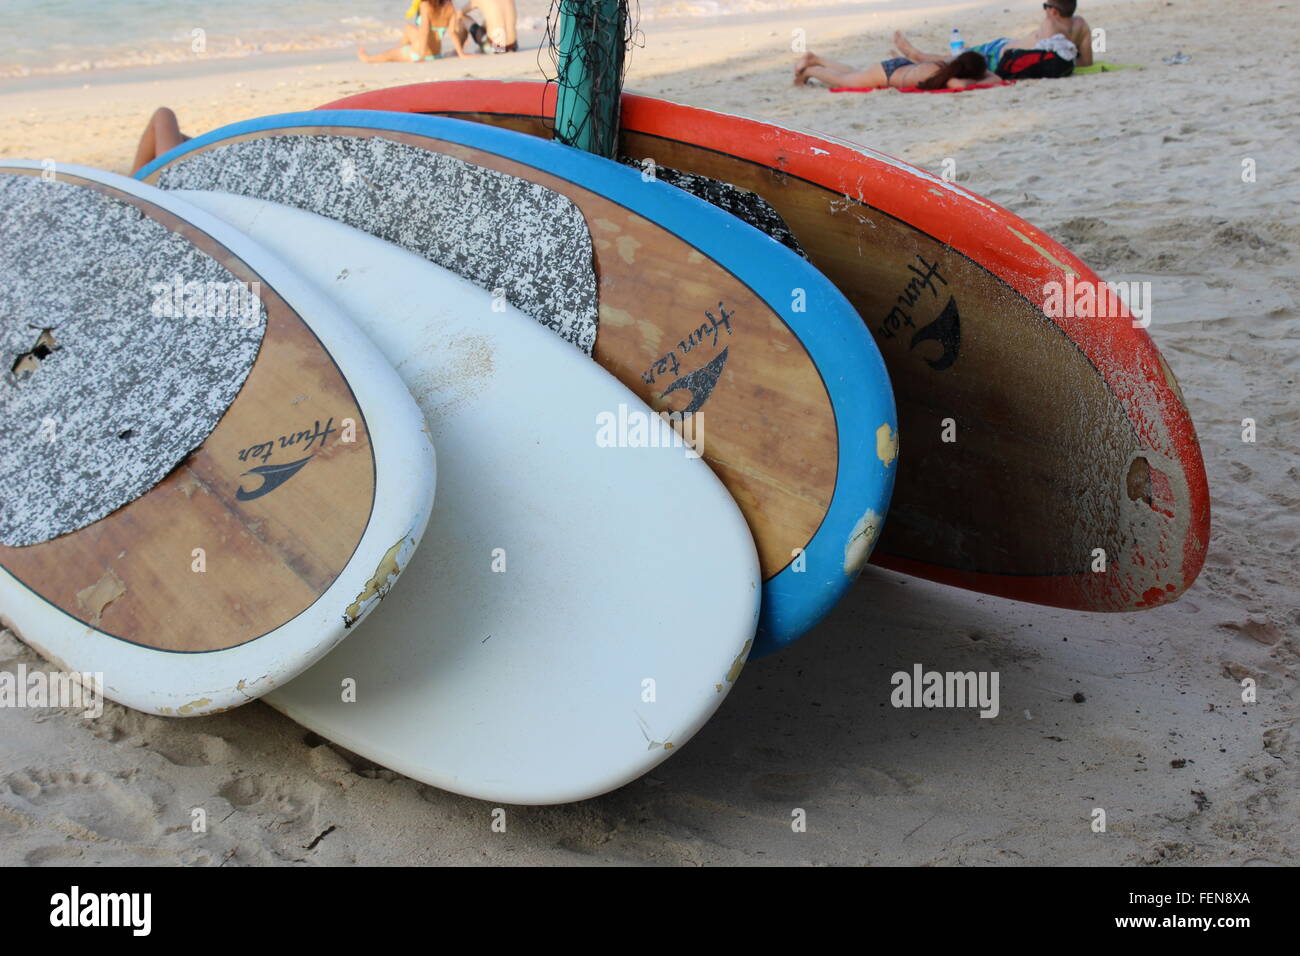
531 41
41 116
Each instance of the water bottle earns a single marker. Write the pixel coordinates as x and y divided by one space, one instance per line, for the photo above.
955 46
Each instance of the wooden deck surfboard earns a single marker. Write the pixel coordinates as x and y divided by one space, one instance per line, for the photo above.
578 609
758 356
1034 443
209 476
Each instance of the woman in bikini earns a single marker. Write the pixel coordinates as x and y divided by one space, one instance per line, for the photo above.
435 20
969 69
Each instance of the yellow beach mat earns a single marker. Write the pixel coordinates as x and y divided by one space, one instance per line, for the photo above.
1103 67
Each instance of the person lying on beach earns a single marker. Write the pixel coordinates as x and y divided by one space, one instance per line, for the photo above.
435 20
969 69
1060 31
497 33
162 133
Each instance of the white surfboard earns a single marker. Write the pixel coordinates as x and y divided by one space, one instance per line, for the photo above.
576 611
208 475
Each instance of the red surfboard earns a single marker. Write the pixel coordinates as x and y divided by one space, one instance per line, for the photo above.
1047 454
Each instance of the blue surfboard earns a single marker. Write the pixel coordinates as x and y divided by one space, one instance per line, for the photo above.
763 367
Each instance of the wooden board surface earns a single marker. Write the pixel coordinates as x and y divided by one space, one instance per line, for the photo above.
513 659
655 291
221 553
671 315
1030 443
130 576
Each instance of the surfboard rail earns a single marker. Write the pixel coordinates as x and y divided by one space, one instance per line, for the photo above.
257 552
1020 256
796 314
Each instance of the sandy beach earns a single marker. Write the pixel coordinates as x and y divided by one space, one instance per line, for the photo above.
1140 173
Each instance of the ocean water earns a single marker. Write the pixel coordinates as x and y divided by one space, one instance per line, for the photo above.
62 36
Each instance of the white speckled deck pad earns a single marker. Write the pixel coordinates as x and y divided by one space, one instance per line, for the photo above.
126 391
498 231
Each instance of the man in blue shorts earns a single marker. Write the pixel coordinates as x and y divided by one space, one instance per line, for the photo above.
1060 32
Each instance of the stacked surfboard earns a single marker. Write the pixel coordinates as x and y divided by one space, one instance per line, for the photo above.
660 397
1049 456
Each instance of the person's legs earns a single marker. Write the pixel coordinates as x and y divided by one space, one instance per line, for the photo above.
872 76
444 41
502 22
478 33
812 59
398 54
161 134
906 49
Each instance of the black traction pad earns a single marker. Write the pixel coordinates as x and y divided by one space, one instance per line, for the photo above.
748 207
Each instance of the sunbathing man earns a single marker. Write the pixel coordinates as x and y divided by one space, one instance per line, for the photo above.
434 21
1058 21
497 34
969 69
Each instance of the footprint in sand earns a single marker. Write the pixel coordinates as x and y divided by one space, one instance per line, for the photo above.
193 749
88 804
286 803
108 854
54 856
178 743
11 822
788 786
119 723
1258 628
11 649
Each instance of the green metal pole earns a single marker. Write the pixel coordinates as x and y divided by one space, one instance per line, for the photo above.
590 73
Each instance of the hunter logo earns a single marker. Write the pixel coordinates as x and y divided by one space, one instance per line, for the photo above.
926 277
701 382
946 330
274 475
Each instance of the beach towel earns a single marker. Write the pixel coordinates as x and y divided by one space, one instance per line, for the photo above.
1101 67
916 89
